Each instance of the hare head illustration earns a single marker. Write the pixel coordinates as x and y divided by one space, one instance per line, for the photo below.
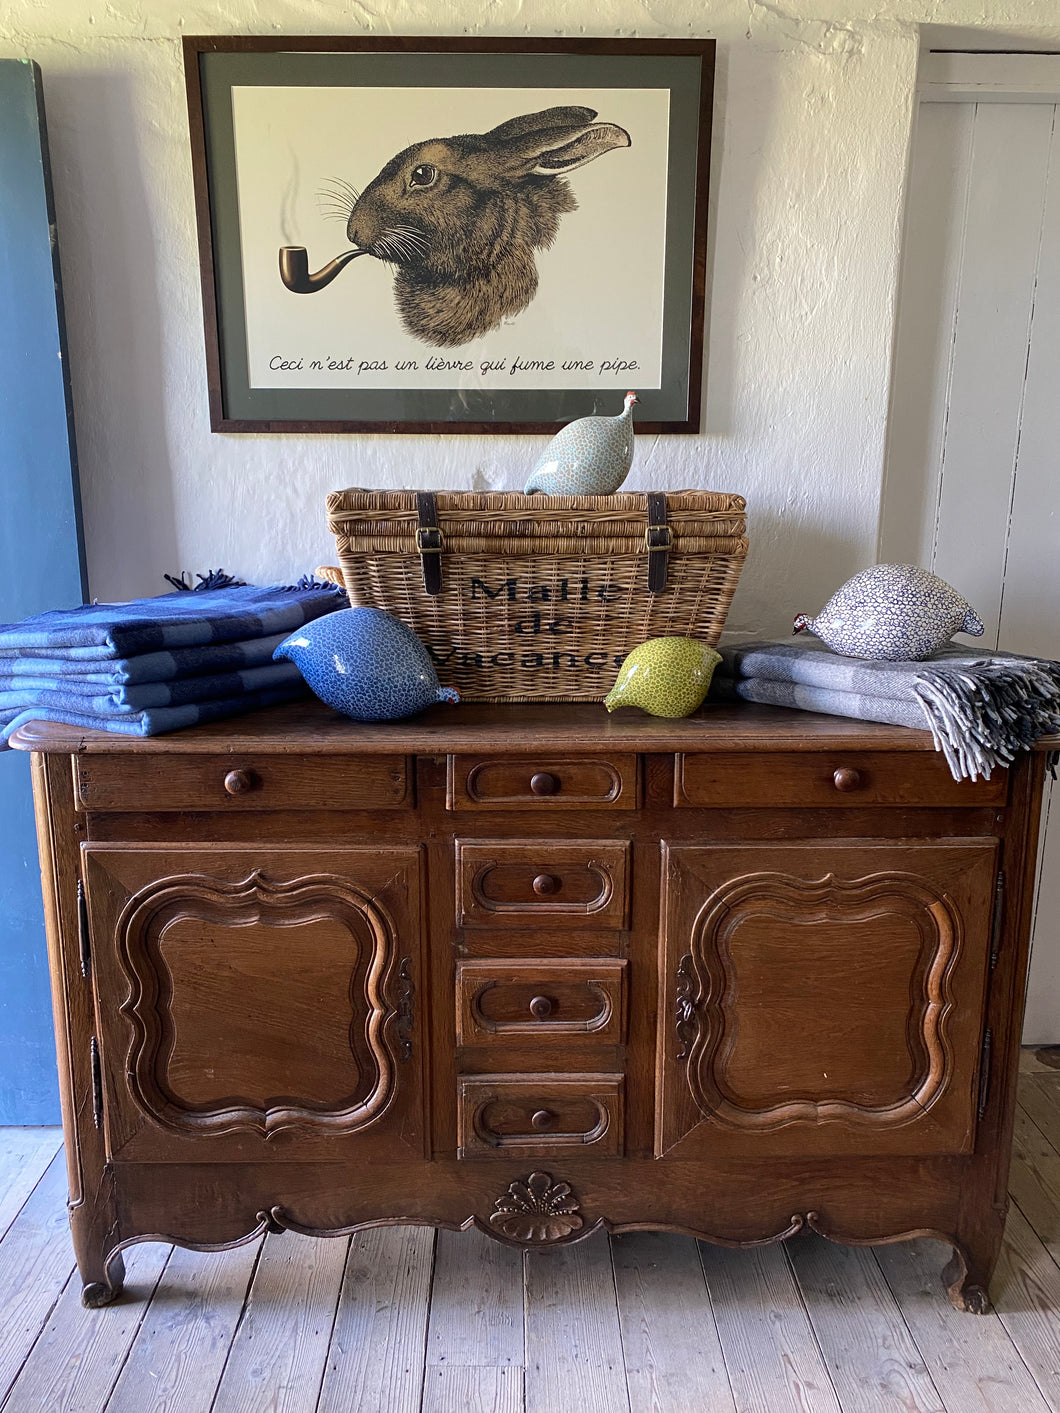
460 217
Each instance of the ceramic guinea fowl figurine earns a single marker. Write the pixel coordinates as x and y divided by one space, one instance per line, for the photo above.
894 613
366 664
589 457
665 677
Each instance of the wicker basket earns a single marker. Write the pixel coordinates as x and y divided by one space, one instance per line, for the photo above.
541 597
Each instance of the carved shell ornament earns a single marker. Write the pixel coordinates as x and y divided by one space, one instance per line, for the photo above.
537 1209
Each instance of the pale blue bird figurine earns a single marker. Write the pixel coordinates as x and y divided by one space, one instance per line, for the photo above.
589 457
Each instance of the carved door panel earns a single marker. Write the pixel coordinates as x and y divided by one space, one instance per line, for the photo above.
257 1003
823 998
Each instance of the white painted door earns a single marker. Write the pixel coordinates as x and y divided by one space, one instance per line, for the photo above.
972 488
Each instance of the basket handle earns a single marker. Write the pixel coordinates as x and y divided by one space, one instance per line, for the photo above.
658 538
429 542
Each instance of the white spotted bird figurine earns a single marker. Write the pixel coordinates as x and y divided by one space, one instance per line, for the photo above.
589 457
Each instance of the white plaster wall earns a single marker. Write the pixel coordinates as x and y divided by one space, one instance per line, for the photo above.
812 123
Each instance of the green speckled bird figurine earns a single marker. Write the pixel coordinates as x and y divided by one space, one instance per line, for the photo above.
665 677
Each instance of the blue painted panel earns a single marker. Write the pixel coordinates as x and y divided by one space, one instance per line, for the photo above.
41 558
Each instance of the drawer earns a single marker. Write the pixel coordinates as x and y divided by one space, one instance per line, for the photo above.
241 782
840 778
536 1116
541 999
571 884
543 783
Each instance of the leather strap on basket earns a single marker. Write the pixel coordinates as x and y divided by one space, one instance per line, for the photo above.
429 542
658 539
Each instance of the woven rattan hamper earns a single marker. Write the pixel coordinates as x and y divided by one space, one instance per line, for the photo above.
539 598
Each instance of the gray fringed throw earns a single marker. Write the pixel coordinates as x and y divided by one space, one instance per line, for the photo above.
981 708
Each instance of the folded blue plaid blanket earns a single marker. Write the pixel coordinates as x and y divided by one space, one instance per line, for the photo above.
107 631
100 674
156 720
159 664
95 699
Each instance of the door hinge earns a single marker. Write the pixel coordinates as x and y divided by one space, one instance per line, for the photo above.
998 920
84 939
97 1084
984 1070
405 998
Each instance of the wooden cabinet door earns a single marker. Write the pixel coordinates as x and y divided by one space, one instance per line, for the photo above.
823 998
257 1003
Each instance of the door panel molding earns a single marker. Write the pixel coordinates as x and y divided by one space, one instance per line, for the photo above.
270 1001
144 936
783 899
823 997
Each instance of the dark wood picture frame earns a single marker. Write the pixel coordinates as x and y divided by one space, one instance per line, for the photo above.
213 67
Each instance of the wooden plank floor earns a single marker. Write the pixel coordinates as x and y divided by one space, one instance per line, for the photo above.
401 1320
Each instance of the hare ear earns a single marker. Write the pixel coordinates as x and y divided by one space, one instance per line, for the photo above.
601 138
531 133
553 141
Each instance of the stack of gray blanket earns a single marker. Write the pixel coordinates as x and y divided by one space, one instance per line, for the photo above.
981 708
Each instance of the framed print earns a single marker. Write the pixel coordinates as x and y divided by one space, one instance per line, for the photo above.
450 235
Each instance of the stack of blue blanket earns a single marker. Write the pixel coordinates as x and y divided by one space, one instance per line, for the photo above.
155 665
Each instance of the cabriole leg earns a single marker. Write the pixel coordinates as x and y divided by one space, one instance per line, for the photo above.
102 1270
95 1293
967 1273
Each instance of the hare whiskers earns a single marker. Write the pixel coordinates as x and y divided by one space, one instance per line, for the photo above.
409 238
337 198
332 211
401 243
343 190
387 248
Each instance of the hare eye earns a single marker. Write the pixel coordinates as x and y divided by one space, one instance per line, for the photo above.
424 175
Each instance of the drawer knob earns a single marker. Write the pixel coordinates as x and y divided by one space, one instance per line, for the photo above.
543 784
546 883
239 782
540 1008
542 1119
846 779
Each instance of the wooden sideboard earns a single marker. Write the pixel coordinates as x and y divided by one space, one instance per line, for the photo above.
535 970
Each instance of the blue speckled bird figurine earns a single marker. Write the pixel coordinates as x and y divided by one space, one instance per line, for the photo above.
366 664
589 457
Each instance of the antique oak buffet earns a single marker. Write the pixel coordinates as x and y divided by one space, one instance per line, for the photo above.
538 971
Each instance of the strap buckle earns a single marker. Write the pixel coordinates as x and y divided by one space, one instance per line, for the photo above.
658 537
429 542
658 541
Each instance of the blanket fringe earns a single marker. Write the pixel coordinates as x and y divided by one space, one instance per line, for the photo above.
218 579
212 579
310 581
982 714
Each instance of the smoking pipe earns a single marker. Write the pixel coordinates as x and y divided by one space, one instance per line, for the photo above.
294 268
